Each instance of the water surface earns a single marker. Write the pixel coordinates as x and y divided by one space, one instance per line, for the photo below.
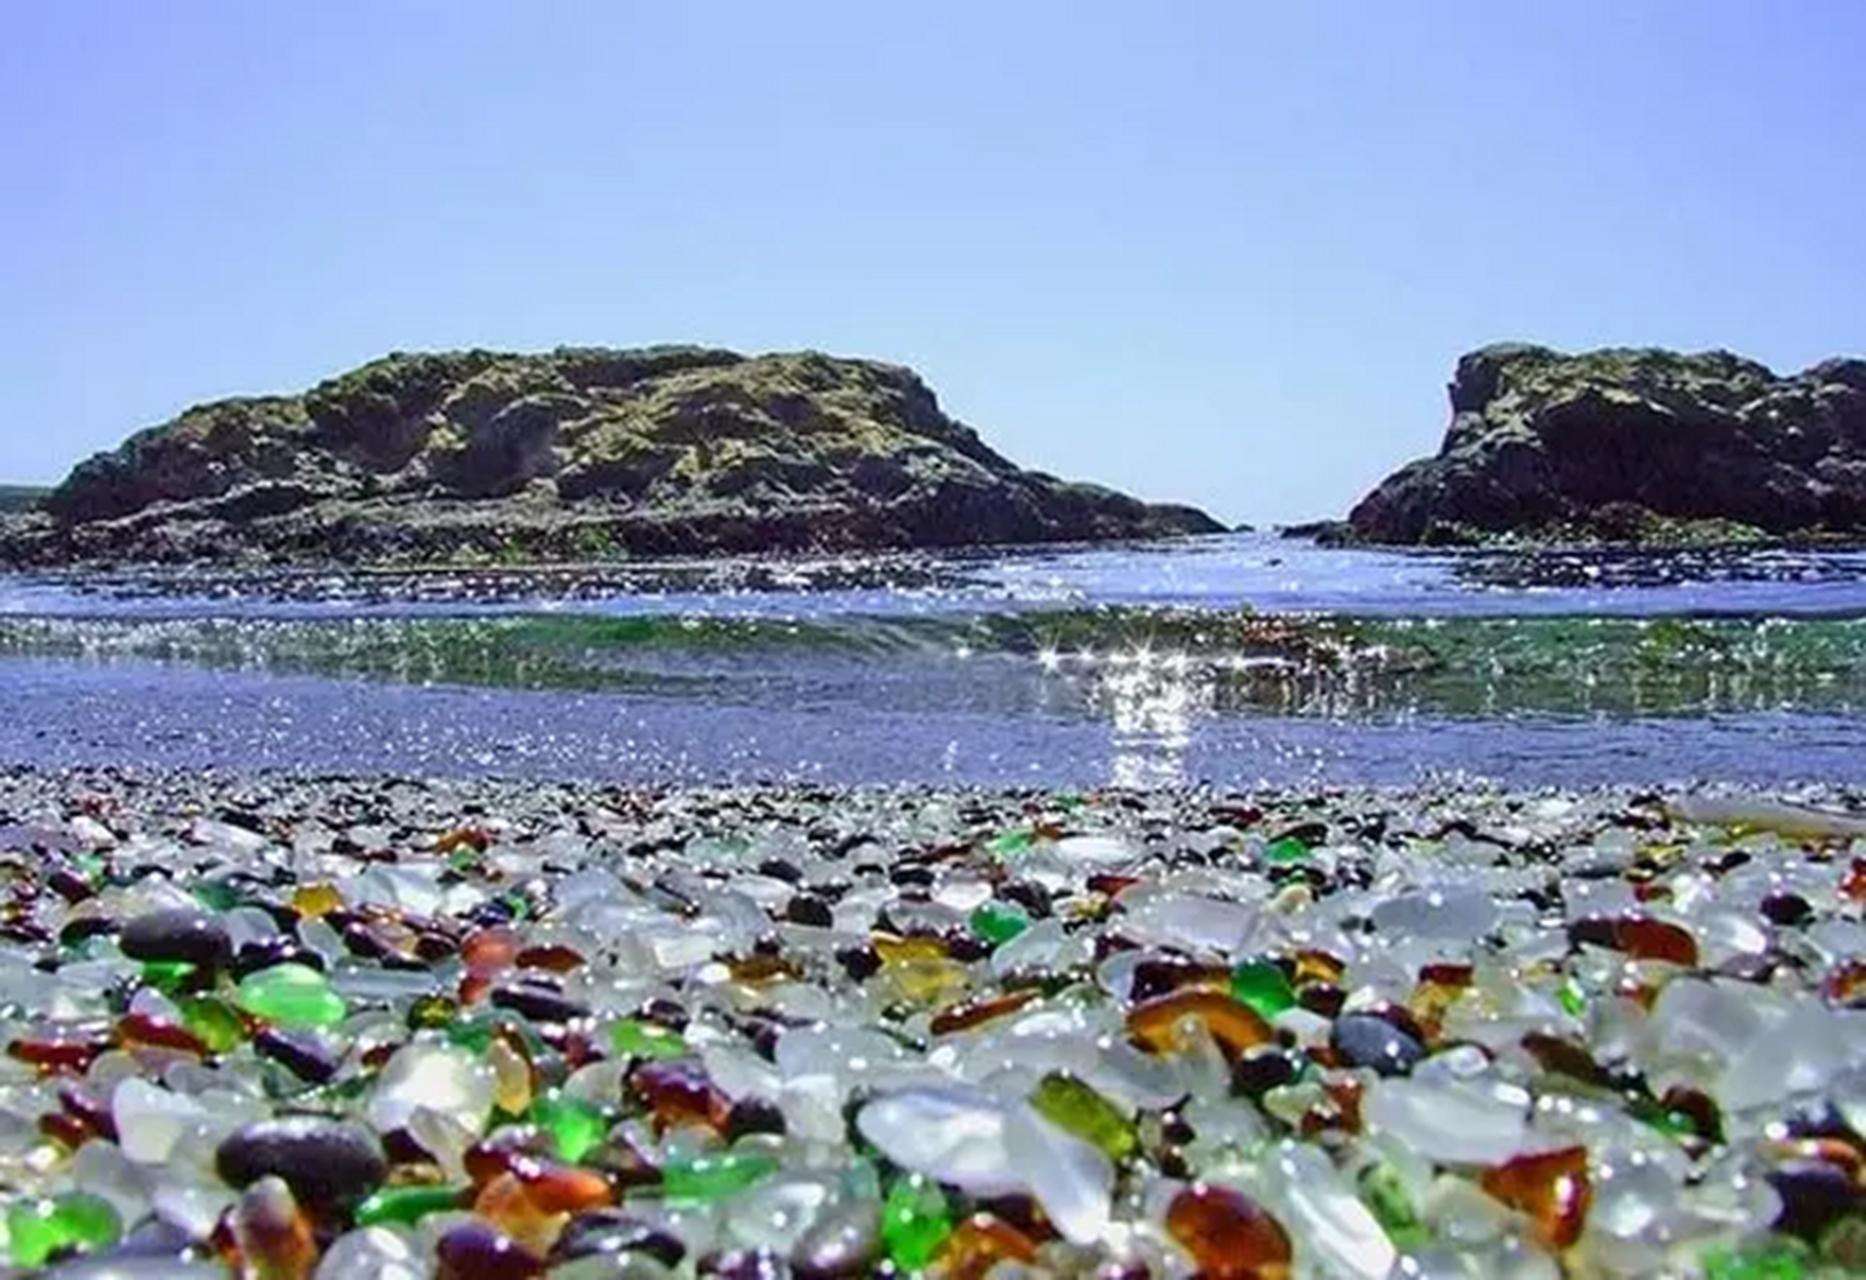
1232 660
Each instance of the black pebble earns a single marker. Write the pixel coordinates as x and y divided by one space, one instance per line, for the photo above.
811 910
84 927
611 1231
299 1052
1033 898
753 1115
1815 1195
539 1003
860 963
477 1249
1367 1041
265 953
177 934
1788 909
1324 998
1262 1070
329 1164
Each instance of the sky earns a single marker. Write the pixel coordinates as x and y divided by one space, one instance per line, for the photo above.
1220 252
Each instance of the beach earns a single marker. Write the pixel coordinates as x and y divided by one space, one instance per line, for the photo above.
381 1026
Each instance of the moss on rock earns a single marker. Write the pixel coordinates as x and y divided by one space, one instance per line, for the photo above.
1633 444
663 450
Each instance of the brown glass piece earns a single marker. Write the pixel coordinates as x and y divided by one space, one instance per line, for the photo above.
1228 1234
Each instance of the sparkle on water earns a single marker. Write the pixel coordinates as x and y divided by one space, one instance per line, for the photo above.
1232 659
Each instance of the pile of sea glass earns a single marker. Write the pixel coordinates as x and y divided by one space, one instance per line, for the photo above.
296 1027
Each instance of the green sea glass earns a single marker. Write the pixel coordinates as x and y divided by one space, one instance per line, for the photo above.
405 1206
214 1022
999 922
291 995
575 1127
712 1178
41 1230
1075 1107
1262 985
638 1039
915 1222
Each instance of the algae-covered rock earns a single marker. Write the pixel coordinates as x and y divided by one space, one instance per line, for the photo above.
1636 445
575 454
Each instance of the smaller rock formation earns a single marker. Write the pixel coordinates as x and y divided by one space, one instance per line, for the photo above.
1632 445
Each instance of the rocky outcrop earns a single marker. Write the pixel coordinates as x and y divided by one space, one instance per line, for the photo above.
20 497
1631 445
576 454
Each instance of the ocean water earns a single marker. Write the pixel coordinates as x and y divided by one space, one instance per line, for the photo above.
1237 660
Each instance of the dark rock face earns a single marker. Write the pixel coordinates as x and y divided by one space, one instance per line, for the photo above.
20 497
1615 444
574 455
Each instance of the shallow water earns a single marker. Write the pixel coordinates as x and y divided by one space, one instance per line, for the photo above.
1232 660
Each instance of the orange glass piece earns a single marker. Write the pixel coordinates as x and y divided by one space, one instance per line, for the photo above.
562 1188
476 838
1846 983
1840 1154
1649 939
491 951
980 1243
1854 885
1346 1095
976 1013
275 1238
1236 1027
1228 1234
507 1205
1552 1187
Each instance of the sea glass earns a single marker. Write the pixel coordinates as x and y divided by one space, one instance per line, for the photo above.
1228 1235
293 996
915 1221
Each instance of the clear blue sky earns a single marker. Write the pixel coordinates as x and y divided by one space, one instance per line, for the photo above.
1217 252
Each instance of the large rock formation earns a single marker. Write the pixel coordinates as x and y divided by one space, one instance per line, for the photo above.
578 454
1625 444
